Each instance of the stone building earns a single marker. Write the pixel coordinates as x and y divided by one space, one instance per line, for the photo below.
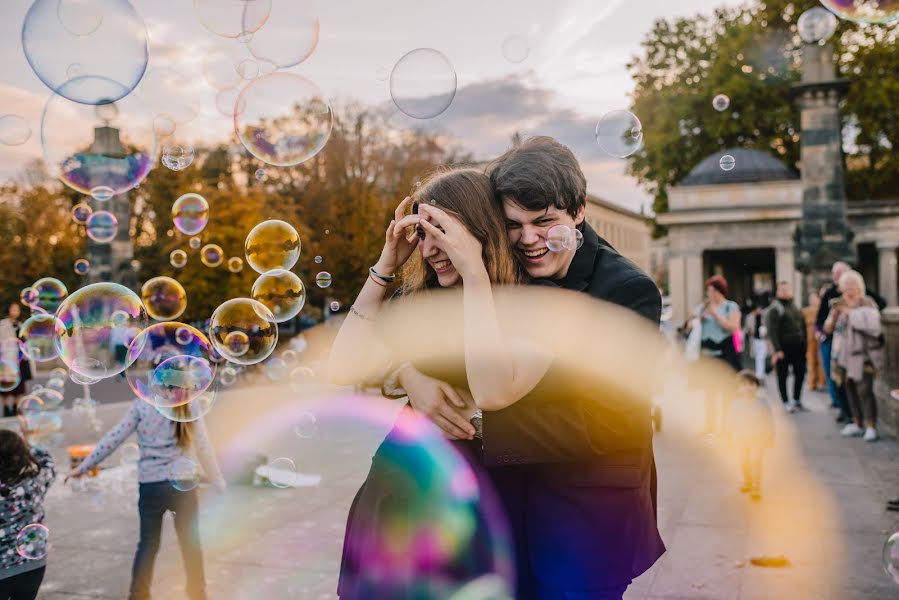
629 232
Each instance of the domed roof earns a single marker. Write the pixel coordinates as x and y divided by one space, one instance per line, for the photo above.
750 166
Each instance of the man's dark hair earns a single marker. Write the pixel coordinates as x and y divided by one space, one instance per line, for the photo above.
537 174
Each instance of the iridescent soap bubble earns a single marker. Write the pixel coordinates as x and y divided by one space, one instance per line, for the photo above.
558 238
232 18
516 48
220 66
247 316
235 264
212 255
14 130
334 306
281 469
226 101
58 372
50 294
102 193
816 25
10 374
82 379
423 83
185 474
237 343
619 133
578 239
102 226
51 399
721 102
891 557
318 260
283 119
305 425
727 162
87 147
38 335
177 157
288 37
81 212
272 244
28 296
164 298
82 266
178 258
275 368
46 430
282 292
195 409
190 212
164 125
260 174
323 279
228 376
166 371
115 51
170 95
248 69
194 243
30 405
95 327
33 542
864 11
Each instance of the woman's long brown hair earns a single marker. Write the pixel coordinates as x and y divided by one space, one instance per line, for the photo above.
467 195
16 461
183 431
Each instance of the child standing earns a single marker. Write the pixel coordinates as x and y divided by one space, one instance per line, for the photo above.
25 475
751 430
165 446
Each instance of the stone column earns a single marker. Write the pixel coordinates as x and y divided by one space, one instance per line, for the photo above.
694 280
677 288
888 377
887 266
784 269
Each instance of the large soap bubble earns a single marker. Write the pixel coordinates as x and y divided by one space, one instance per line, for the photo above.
57 34
423 83
272 244
190 212
283 119
170 364
280 291
864 11
619 133
38 336
95 327
14 130
288 37
111 145
102 226
232 18
50 294
164 298
249 320
816 25
170 94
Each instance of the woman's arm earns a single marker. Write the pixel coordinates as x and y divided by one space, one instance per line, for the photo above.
355 354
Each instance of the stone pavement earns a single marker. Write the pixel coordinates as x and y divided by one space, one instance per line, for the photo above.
822 508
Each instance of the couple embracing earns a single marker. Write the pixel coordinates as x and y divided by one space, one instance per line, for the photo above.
581 509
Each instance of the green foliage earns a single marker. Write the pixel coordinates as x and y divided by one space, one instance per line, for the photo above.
751 54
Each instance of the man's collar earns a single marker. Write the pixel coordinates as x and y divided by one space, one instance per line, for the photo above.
580 271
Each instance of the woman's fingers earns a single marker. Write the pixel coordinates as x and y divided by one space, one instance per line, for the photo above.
400 226
436 214
400 211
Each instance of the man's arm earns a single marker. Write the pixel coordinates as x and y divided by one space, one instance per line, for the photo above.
823 309
772 322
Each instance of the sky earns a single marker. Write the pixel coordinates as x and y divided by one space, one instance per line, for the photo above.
574 73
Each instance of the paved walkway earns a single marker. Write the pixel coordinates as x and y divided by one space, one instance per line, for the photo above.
822 508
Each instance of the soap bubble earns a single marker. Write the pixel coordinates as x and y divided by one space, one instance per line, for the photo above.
284 469
81 212
816 25
195 409
177 157
272 244
891 557
558 238
323 279
515 48
178 258
864 11
51 399
212 255
115 52
130 453
318 260
170 95
95 327
102 226
283 119
164 298
228 376
82 266
237 343
38 334
226 102
334 306
235 264
232 18
10 374
220 66
248 69
164 370
260 174
50 294
33 542
578 239
102 193
288 37
275 368
190 212
14 130
305 425
185 474
727 162
720 102
250 318
619 133
194 243
423 83
111 145
282 292
56 384
28 296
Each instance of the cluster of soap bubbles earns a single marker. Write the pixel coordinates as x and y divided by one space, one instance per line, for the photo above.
560 238
177 157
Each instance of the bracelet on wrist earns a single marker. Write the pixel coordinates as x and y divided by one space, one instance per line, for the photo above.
360 315
377 281
385 278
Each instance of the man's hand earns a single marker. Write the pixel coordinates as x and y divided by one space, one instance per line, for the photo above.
439 402
776 357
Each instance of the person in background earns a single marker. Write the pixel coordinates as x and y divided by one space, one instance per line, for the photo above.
751 430
165 447
786 331
25 476
14 365
817 380
758 334
854 321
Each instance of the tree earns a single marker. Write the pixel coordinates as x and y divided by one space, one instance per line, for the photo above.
751 54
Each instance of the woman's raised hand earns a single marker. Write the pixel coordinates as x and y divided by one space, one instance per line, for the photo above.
462 248
398 246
